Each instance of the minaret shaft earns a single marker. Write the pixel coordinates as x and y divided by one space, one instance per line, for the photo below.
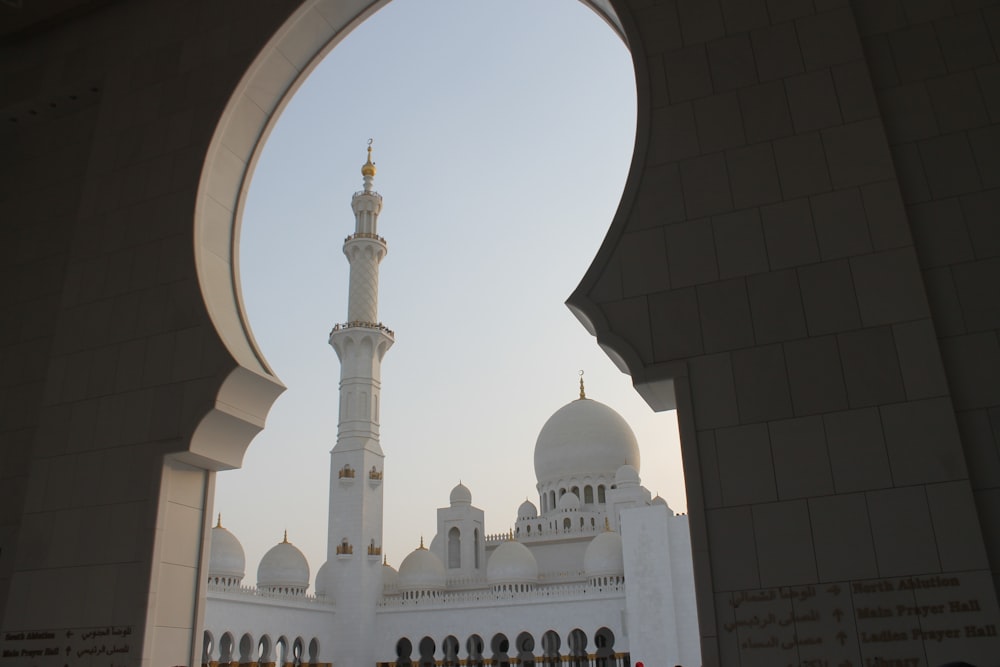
354 538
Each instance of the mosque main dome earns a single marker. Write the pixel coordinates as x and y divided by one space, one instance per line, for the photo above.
584 437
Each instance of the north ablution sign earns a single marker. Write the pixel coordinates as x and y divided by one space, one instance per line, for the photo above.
893 622
102 646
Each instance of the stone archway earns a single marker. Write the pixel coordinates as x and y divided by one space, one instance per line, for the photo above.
112 108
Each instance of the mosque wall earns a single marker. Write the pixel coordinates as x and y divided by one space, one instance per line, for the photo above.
806 255
656 553
507 618
251 619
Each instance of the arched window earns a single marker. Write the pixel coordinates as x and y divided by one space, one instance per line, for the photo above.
281 651
313 651
604 642
450 648
226 648
600 494
403 650
500 646
578 648
588 494
550 648
474 649
526 649
552 500
246 648
207 646
454 548
427 649
576 491
567 524
263 650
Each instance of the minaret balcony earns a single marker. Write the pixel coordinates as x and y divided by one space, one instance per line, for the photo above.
383 337
367 193
366 235
375 326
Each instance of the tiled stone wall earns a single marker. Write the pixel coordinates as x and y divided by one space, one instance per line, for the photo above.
936 71
110 360
806 260
769 250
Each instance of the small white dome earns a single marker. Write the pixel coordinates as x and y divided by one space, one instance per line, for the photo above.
568 502
226 559
660 500
512 563
626 476
527 510
604 556
283 566
461 495
421 571
584 437
320 586
390 577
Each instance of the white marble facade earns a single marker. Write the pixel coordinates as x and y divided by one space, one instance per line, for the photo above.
597 572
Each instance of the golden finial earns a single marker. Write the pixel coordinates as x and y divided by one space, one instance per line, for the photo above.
510 535
368 168
219 523
285 541
385 560
422 542
582 394
607 525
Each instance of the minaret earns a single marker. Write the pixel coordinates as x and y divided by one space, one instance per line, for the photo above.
354 540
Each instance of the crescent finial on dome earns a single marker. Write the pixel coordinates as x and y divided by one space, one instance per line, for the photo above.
285 540
582 393
368 168
218 523
422 543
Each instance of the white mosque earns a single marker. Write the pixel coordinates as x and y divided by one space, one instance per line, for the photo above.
597 573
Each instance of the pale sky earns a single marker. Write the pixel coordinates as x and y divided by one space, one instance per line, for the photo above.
503 132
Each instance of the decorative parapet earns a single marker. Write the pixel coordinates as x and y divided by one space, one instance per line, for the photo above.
254 592
521 535
366 235
368 193
347 472
345 548
374 474
541 592
378 326
497 538
374 550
